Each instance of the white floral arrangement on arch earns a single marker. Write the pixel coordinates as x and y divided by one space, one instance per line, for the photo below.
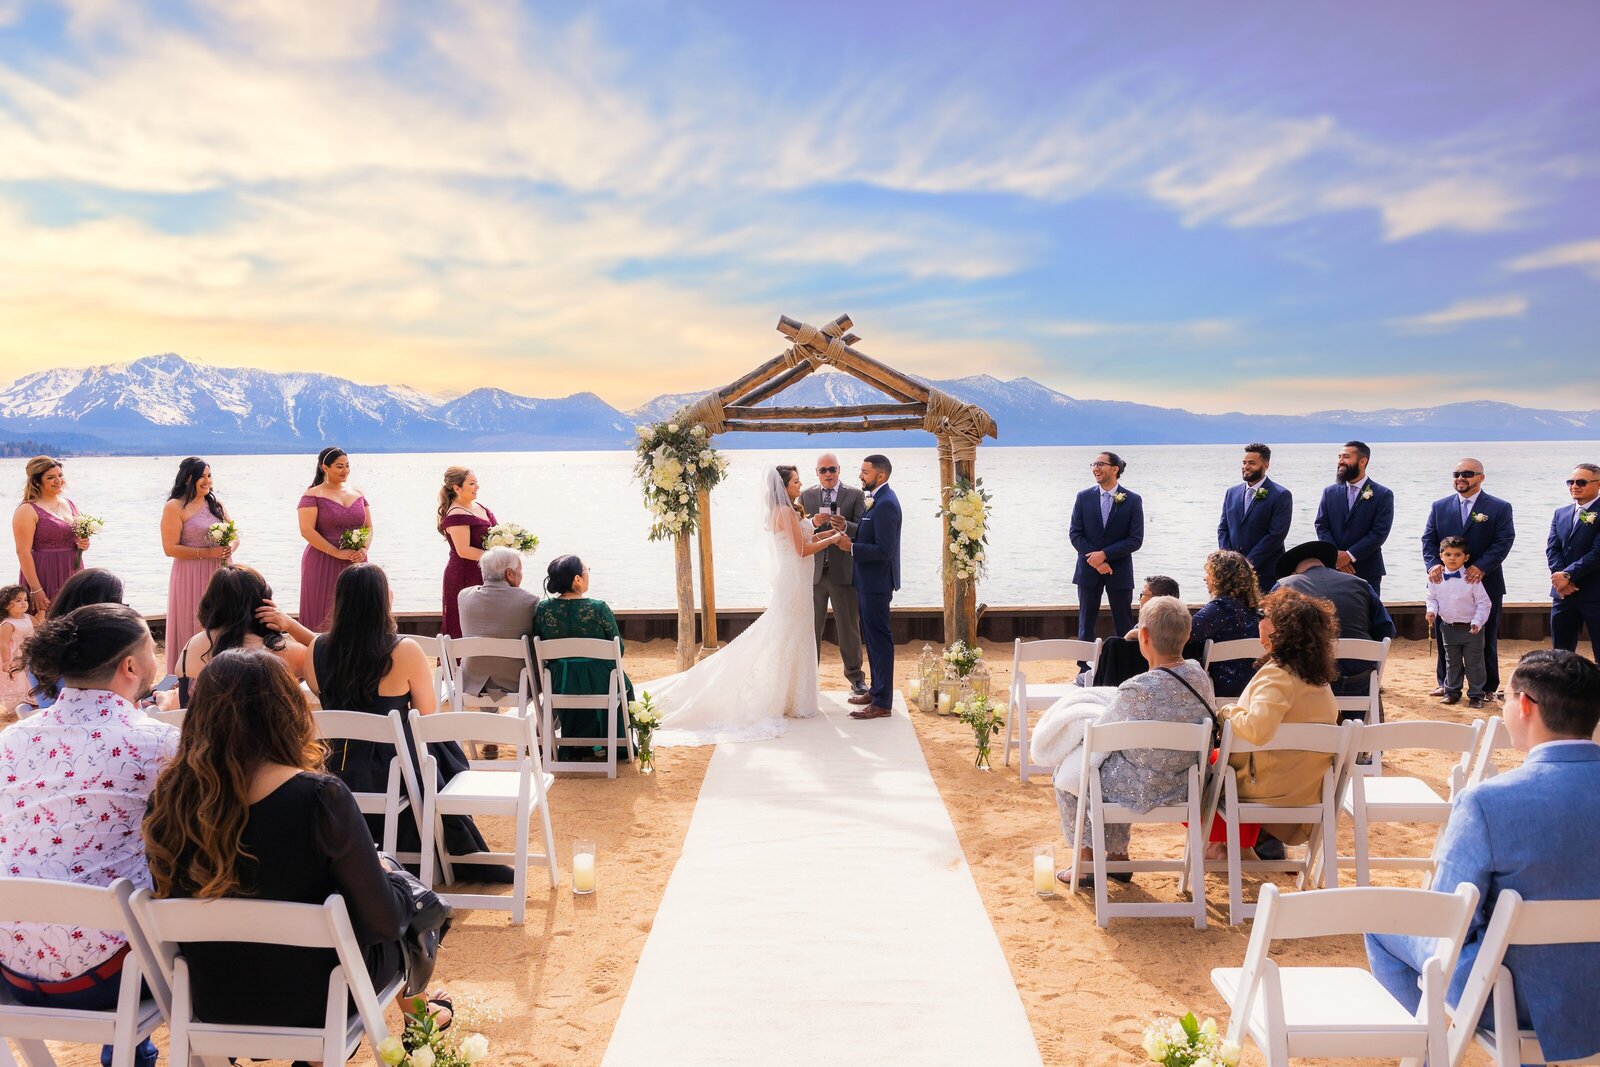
966 519
675 461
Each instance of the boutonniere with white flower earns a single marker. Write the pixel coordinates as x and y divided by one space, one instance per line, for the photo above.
1478 516
1117 498
1366 494
1261 493
868 505
1587 518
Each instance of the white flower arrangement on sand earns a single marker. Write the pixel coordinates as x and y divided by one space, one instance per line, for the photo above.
1188 1042
425 1045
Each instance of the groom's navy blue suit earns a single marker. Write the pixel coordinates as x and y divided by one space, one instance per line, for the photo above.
876 550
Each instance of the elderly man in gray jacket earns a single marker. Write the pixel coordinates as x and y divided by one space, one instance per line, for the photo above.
500 607
840 507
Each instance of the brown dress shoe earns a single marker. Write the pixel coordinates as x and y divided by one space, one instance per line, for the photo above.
863 699
871 712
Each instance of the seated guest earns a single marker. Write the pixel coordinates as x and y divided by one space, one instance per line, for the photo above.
92 585
1290 685
569 611
1530 830
363 664
245 810
500 607
230 617
74 779
1173 690
1309 569
1120 658
1230 615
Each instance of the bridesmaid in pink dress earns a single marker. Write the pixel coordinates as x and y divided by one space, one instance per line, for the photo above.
328 509
48 548
186 519
464 522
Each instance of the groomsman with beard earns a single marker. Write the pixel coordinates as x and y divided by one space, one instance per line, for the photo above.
1107 528
1256 515
1573 552
834 579
1486 522
1355 516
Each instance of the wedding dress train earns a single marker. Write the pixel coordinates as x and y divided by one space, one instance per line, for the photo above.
746 690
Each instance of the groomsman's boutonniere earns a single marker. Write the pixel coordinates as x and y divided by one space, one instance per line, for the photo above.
1478 516
1366 494
868 505
1261 493
1117 498
1587 518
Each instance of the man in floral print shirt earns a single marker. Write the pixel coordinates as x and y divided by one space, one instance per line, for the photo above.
74 779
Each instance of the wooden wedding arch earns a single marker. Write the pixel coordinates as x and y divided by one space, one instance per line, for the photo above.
959 427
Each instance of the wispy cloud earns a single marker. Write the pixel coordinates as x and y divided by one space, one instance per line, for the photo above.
1193 328
1474 309
1584 255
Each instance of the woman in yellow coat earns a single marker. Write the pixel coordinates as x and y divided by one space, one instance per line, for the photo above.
1291 684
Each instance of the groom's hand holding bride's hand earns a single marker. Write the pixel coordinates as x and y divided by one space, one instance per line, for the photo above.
841 541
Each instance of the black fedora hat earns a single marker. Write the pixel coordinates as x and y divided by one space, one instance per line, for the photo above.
1321 551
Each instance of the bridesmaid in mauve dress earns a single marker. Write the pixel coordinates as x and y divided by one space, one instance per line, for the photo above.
48 548
464 523
327 510
186 520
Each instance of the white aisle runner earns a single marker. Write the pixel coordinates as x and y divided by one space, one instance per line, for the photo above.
822 912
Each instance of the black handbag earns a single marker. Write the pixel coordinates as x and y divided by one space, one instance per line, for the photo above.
427 919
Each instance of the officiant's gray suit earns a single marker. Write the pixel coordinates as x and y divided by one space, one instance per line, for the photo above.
834 577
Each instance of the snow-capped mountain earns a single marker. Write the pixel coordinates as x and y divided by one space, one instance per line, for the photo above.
165 404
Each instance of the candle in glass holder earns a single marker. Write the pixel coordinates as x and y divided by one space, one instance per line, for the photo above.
583 867
913 689
1044 870
947 702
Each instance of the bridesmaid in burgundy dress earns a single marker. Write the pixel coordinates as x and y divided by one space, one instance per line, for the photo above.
328 509
186 520
48 548
464 522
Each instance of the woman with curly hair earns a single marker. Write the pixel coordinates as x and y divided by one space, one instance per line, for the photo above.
1291 684
1229 615
245 810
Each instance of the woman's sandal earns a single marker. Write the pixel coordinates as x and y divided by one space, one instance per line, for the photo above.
446 1004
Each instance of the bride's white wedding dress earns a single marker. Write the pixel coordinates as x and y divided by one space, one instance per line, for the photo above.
744 691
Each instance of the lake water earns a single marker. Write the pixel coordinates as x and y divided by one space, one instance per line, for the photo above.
588 503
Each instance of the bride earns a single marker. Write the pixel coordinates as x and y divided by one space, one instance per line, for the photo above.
769 672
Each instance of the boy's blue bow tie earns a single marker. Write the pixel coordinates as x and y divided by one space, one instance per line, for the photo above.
1451 574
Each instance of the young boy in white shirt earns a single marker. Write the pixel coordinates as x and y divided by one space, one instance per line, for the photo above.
1462 607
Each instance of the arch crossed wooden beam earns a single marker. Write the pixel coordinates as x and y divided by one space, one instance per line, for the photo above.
958 426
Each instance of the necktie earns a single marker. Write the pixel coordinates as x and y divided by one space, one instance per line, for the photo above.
1249 496
1105 507
1351 503
1466 513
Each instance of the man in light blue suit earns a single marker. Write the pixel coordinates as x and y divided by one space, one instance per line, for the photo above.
1256 515
1531 830
1355 516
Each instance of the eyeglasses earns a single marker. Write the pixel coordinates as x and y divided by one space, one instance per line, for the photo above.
1581 483
827 470
1467 474
1098 463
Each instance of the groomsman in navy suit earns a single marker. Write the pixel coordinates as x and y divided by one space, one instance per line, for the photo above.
1107 529
1486 522
1256 515
1573 552
1355 516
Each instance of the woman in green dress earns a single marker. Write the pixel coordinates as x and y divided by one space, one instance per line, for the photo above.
569 611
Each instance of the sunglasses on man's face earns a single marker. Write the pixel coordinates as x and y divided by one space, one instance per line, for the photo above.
1467 475
827 470
1581 483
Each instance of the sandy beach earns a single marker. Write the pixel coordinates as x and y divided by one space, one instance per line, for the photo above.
560 980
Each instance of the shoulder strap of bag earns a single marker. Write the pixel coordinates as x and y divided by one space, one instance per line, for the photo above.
1210 711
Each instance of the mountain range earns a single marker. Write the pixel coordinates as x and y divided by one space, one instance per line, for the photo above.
165 404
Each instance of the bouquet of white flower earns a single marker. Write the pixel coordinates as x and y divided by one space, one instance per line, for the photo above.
1187 1042
966 520
645 718
86 526
675 461
223 534
984 718
510 535
963 657
425 1045
356 539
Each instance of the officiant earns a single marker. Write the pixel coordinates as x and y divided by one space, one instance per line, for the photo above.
832 506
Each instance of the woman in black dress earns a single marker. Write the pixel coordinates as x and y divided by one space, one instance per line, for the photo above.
363 664
244 810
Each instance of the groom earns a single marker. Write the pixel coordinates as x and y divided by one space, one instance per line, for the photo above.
876 554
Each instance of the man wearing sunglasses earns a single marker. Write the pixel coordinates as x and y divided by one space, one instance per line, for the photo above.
833 506
1487 524
1573 552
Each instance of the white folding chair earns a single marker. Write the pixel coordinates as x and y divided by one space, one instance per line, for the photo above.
511 788
174 717
1515 922
454 651
1246 648
1393 798
1496 738
612 704
1344 1011
1024 698
1223 797
1370 706
335 726
1121 737
40 900
170 924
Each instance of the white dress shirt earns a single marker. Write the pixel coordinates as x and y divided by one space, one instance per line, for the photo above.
1456 600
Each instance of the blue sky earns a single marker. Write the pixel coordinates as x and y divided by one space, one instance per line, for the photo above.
1261 207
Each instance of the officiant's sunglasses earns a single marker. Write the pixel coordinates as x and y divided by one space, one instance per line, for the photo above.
1466 474
827 470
